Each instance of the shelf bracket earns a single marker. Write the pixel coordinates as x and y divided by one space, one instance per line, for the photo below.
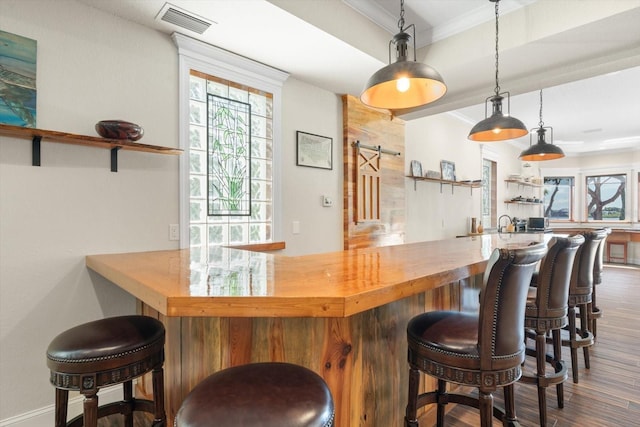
35 150
114 159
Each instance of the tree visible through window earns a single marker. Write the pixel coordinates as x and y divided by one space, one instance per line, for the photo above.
558 197
606 197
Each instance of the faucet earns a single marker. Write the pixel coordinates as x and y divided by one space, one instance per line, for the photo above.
500 228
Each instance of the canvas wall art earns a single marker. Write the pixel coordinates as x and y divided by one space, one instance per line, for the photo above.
17 80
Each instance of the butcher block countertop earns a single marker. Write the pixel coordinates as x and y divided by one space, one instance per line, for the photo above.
239 283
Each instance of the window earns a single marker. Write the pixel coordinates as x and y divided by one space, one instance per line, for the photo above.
489 190
230 178
212 79
606 197
558 197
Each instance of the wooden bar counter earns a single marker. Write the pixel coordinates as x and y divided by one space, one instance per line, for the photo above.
341 314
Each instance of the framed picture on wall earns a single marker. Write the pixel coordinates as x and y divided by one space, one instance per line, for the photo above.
314 151
448 170
416 168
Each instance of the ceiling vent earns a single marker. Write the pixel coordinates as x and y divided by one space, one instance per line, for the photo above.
183 19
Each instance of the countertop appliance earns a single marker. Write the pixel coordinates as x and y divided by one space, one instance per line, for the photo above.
538 224
519 224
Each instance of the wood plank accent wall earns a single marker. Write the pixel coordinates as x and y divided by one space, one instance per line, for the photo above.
375 128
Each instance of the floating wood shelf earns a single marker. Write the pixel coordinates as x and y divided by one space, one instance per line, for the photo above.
517 202
38 135
469 184
523 183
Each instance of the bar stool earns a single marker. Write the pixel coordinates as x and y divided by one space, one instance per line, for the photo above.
594 311
546 312
270 394
580 296
483 350
105 352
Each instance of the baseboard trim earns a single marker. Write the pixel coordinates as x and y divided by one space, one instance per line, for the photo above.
44 416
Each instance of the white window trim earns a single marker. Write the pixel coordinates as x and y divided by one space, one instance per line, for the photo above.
196 55
580 175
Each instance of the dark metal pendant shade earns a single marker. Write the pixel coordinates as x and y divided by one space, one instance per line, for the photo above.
498 127
384 89
405 83
542 150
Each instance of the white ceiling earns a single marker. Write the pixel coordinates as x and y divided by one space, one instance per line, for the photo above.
584 53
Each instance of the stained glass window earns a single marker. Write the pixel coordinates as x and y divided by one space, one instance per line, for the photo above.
253 221
228 156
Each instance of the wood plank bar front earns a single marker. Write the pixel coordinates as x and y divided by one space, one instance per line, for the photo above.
341 314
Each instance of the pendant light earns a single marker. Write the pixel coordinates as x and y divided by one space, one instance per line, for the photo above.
542 150
405 83
498 127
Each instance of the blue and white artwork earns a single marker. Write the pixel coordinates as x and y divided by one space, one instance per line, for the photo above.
17 80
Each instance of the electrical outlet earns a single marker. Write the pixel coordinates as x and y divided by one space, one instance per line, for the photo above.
174 231
327 201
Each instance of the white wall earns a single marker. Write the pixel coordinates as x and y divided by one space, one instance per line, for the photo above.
312 110
91 66
94 66
433 213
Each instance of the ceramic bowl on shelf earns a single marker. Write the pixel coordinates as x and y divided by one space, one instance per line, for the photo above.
119 129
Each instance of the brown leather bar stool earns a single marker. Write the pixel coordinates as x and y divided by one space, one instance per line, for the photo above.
594 311
580 295
546 312
105 352
268 394
483 350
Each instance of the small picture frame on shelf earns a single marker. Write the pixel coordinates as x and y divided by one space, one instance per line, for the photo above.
448 170
416 168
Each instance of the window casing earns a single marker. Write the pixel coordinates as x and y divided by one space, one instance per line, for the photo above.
207 69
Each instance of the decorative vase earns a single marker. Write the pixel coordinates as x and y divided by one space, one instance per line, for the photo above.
480 227
474 230
119 129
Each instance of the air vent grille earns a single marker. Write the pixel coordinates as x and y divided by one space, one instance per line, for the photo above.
175 16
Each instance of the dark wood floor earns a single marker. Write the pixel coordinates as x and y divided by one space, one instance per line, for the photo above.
609 393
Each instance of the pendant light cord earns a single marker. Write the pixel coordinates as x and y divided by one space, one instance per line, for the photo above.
541 123
497 84
401 20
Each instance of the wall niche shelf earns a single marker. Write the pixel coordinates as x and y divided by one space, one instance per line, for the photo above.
469 184
114 145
